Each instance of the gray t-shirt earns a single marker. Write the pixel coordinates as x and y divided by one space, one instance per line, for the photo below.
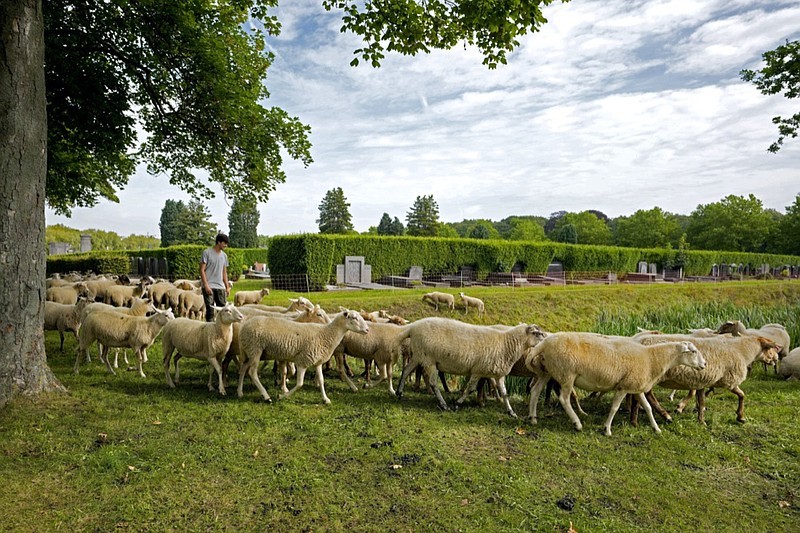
215 264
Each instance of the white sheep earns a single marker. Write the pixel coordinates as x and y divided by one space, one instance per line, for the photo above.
790 365
297 304
191 304
98 286
305 345
158 293
249 297
381 346
446 345
139 307
114 329
207 341
602 363
121 295
727 361
471 301
63 317
775 332
437 298
67 294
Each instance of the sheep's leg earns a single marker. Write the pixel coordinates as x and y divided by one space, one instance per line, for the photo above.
469 386
167 359
177 368
647 409
61 336
215 367
432 378
104 358
653 401
387 375
251 367
536 390
321 380
564 398
683 403
140 358
615 403
144 355
407 369
284 371
701 406
740 411
501 386
76 367
342 373
574 396
672 395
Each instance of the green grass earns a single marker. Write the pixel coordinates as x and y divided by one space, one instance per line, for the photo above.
125 453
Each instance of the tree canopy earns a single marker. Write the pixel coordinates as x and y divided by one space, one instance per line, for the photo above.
243 221
189 73
422 220
647 228
735 223
781 73
334 213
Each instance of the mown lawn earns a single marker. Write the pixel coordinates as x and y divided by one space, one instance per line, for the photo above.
125 453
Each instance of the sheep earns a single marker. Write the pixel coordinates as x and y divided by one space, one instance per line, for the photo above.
207 341
191 304
296 304
139 307
305 345
67 294
600 363
158 293
775 332
98 286
790 366
446 345
437 298
113 329
187 284
249 297
470 301
121 295
63 317
727 358
380 345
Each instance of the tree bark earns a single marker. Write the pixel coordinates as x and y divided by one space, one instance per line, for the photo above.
23 165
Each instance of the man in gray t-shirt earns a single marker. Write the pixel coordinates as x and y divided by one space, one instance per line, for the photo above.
214 275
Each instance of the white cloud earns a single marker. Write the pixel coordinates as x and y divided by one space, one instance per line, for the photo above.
615 105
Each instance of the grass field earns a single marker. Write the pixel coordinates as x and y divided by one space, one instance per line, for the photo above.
125 453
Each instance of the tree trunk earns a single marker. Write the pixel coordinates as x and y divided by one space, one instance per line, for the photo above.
23 165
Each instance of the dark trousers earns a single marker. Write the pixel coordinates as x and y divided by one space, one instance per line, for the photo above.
217 297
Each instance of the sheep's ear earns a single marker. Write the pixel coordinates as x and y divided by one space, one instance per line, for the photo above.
342 309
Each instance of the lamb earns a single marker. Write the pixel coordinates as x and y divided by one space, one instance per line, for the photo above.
437 298
305 345
470 301
63 317
113 329
727 361
207 341
67 294
249 297
121 295
446 345
600 363
790 366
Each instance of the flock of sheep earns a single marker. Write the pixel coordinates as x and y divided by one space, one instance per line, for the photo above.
117 314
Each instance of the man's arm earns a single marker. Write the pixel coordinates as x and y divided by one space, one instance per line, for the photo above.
225 280
203 279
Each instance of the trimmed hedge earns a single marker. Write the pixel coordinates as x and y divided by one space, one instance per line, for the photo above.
182 261
317 256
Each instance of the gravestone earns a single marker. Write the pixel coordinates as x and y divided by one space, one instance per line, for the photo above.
715 270
58 248
353 271
86 243
642 268
653 268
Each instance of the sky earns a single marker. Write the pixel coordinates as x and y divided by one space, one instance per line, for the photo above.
616 105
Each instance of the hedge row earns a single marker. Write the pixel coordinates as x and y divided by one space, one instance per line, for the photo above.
183 261
317 256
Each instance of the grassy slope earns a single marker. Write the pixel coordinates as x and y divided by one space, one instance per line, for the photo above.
128 453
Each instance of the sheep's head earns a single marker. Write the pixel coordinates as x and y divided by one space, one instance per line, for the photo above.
691 356
228 314
535 334
769 351
734 327
355 322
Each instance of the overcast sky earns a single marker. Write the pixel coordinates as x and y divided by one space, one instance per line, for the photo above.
616 105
